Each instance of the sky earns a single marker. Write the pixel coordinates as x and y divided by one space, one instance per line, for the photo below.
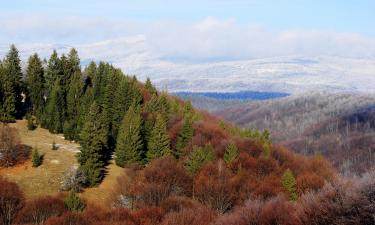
198 30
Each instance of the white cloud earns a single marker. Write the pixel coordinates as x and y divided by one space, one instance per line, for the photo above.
209 39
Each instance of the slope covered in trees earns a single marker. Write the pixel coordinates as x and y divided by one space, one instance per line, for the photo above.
183 166
339 126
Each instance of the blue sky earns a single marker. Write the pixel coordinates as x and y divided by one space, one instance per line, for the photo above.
339 15
224 26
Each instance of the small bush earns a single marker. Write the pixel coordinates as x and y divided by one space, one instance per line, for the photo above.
74 203
36 158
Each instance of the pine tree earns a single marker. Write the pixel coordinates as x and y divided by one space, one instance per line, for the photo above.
74 203
231 153
198 157
73 100
159 143
54 70
54 111
12 86
149 87
184 136
129 140
93 140
36 84
36 158
289 183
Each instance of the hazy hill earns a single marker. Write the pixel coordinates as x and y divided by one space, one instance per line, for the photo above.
340 126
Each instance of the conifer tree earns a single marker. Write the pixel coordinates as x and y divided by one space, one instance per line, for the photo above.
54 70
12 86
289 183
36 158
159 143
36 84
129 144
74 203
184 136
93 139
73 100
54 111
149 87
198 157
231 153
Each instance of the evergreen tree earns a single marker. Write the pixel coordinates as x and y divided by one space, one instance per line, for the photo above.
198 157
36 158
149 87
54 70
129 141
74 203
54 111
266 150
73 100
184 136
159 143
231 153
36 84
93 140
12 86
289 183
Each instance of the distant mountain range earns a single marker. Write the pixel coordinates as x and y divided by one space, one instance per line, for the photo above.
290 74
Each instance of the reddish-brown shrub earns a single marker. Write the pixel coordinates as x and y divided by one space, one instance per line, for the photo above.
279 210
176 203
11 201
309 182
269 187
214 187
265 166
195 216
149 216
160 179
68 218
39 210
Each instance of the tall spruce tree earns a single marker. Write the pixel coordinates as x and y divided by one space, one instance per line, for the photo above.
149 87
53 118
159 143
184 136
73 100
93 139
129 144
36 84
54 70
12 86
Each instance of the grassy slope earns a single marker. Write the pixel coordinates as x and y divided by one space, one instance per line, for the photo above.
45 180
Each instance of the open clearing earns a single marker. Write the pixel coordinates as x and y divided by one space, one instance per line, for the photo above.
45 180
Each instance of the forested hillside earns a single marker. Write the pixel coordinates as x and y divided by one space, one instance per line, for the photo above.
181 165
339 126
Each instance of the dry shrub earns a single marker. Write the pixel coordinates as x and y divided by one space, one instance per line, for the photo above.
149 216
39 210
214 186
11 201
11 149
193 216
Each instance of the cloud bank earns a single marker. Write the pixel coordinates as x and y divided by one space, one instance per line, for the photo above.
206 40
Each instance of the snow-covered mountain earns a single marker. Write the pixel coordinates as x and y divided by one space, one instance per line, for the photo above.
291 74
